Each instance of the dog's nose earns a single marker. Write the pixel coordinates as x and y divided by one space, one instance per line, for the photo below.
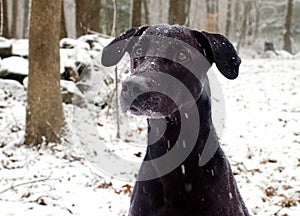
134 86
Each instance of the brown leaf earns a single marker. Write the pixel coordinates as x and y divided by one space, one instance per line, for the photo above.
268 161
26 195
41 201
118 192
287 203
271 191
139 154
128 189
287 187
105 185
140 130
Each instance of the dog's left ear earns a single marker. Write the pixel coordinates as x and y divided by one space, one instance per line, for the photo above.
220 51
114 51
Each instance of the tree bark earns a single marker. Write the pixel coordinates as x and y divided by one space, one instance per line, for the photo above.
26 18
288 21
44 116
177 13
63 30
243 32
146 9
5 30
136 13
212 15
228 18
257 19
87 16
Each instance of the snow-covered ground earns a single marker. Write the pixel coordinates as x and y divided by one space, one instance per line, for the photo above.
261 138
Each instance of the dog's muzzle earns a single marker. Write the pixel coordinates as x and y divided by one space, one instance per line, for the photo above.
141 96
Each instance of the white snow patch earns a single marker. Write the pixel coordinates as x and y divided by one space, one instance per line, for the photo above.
15 65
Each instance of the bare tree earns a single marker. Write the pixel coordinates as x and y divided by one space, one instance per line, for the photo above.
4 19
244 27
177 12
26 18
288 21
87 16
44 116
212 15
136 13
146 9
63 30
257 18
228 18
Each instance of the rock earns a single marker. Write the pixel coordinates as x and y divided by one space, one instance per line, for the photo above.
5 48
15 68
20 48
14 88
70 93
297 55
67 43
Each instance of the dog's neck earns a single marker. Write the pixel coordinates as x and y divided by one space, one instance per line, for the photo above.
170 130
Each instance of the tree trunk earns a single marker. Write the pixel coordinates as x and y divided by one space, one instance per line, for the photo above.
187 13
26 18
146 9
288 21
237 18
243 32
177 13
212 15
228 18
257 19
44 116
5 30
15 19
63 30
136 13
87 16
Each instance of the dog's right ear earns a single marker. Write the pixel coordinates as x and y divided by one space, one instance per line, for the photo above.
220 51
114 51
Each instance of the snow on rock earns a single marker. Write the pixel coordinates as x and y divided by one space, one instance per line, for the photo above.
68 43
14 65
67 59
297 55
12 113
4 43
13 88
20 47
71 93
5 47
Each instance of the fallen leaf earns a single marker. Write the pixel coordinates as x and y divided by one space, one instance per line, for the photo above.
105 185
139 154
271 191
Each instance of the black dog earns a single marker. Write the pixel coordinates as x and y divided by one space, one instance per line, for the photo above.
200 183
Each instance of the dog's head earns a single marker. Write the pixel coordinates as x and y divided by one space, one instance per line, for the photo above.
168 66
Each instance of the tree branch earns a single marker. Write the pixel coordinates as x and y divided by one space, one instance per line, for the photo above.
26 183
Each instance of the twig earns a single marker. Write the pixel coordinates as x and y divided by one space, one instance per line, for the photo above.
90 31
114 34
25 183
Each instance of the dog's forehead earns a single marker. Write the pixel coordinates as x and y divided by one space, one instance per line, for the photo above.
165 33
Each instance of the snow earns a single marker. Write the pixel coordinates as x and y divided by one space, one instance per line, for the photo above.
20 47
15 65
4 43
261 138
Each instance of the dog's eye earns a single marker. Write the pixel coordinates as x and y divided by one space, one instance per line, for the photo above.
182 56
138 51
